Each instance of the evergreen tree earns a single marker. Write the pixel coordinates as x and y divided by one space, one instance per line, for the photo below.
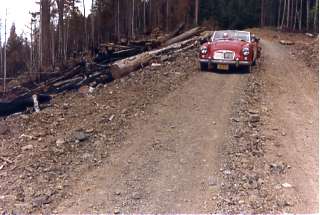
17 53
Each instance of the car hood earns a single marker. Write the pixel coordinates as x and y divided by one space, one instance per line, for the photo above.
232 45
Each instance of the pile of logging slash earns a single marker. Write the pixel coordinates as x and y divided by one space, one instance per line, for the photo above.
114 62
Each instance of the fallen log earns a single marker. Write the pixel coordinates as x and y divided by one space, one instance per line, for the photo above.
205 37
173 47
22 103
309 35
186 48
94 74
113 46
123 67
99 77
186 35
178 30
64 82
106 58
286 42
45 86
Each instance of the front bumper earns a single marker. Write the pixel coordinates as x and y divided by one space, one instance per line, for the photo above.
229 62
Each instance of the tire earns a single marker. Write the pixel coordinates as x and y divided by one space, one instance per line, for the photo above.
204 67
247 69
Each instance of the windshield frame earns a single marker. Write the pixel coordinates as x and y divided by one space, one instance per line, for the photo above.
232 38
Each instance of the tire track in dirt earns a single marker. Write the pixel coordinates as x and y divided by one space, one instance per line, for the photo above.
271 162
291 92
171 160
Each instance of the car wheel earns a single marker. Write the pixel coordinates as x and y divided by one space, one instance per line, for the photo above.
247 69
204 66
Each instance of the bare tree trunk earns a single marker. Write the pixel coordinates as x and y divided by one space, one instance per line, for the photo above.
300 15
66 37
31 47
52 47
118 20
167 14
150 15
132 20
308 16
288 14
144 17
92 27
45 33
279 13
295 19
0 49
40 40
284 13
262 16
85 26
196 13
61 52
315 17
292 16
5 56
114 15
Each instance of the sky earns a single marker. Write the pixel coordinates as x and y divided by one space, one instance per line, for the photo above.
18 12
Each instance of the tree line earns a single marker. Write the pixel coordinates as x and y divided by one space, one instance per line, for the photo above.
59 30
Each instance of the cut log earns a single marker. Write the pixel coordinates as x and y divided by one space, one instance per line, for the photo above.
123 67
286 42
36 103
21 104
44 86
94 74
186 35
64 82
173 47
309 35
113 46
186 48
99 77
106 58
178 30
205 37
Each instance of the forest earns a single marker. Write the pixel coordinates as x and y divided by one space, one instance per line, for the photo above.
60 30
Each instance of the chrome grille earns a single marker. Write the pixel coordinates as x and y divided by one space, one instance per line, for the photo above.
228 55
224 55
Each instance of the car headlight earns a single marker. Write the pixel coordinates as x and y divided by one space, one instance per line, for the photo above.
204 50
246 51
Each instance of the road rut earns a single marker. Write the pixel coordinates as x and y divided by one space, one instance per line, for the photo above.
170 162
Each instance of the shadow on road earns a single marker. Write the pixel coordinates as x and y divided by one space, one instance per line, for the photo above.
239 71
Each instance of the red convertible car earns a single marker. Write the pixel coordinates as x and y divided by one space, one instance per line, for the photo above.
230 48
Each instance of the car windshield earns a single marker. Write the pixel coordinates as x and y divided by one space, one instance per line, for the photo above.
231 35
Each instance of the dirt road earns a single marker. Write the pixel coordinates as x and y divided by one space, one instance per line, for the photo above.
173 140
170 159
291 92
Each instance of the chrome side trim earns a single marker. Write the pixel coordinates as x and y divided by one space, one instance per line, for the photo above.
204 60
230 62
